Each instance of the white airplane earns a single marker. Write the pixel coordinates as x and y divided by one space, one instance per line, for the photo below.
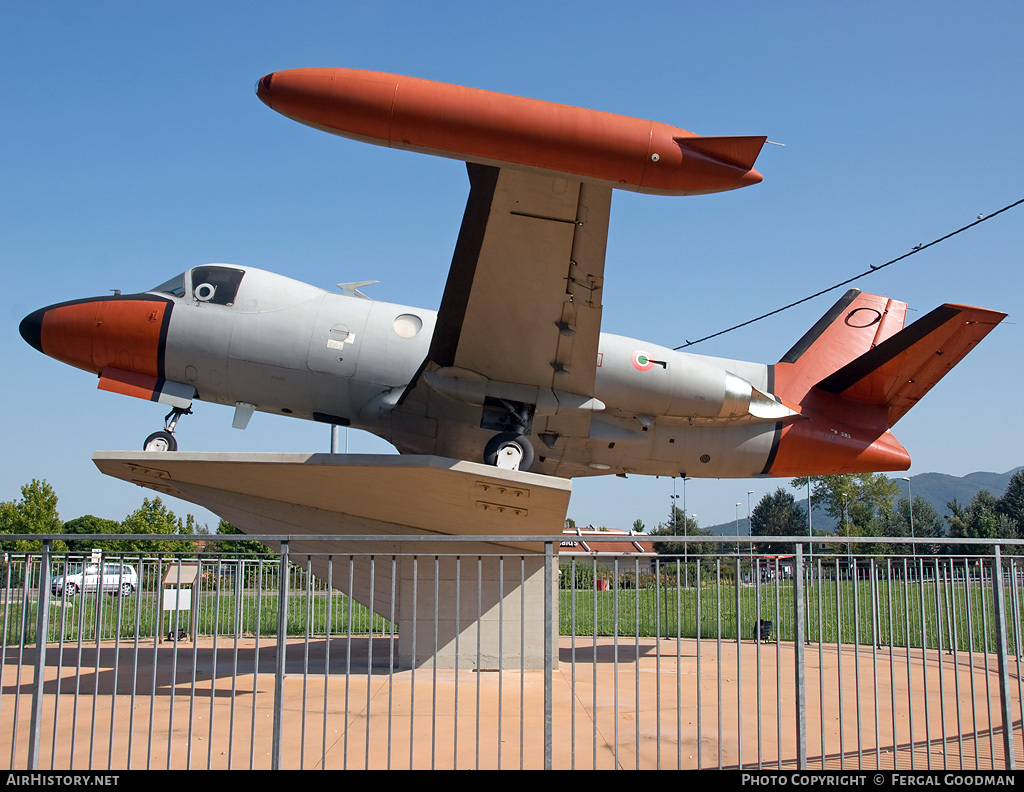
513 369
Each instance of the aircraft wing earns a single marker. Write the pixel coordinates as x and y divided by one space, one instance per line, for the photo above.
520 318
523 299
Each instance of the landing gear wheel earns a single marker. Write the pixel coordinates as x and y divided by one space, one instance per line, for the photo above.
510 451
160 441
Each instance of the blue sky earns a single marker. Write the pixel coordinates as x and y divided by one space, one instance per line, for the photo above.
134 147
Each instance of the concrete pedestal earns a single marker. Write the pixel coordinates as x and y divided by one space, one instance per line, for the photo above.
439 593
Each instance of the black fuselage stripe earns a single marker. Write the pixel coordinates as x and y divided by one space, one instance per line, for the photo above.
775 450
161 347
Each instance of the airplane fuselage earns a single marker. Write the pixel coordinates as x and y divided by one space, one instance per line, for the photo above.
252 339
290 348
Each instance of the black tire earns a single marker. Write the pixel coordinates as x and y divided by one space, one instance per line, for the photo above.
127 589
500 441
160 441
71 589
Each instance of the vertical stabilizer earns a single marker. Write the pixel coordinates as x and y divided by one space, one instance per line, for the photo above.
857 323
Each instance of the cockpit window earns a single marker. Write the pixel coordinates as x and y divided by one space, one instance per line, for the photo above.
175 286
217 285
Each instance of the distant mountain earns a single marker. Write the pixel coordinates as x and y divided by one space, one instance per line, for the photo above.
936 488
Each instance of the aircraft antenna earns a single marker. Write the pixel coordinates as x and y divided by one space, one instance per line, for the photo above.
872 268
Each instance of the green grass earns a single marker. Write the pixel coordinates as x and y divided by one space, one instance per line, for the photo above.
886 611
892 612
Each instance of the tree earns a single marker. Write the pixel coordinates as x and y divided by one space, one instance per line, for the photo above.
854 499
638 526
35 513
926 522
979 520
153 517
1011 504
89 524
777 514
861 504
678 525
246 548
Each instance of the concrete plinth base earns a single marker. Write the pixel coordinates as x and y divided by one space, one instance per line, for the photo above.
494 606
441 593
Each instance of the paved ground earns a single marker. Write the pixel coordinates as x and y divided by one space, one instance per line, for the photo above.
657 704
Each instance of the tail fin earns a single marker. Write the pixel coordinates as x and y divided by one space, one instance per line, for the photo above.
900 371
856 373
739 151
861 352
857 323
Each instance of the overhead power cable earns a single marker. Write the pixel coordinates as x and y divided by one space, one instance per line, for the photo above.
873 268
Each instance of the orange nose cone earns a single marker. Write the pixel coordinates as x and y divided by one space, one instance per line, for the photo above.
126 333
263 88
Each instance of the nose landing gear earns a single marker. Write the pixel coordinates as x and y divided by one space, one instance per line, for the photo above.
164 439
509 450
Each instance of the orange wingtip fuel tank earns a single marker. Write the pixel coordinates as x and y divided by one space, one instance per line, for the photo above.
498 129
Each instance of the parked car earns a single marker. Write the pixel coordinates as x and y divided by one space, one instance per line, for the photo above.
116 578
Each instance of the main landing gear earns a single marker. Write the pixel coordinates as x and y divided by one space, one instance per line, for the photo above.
164 439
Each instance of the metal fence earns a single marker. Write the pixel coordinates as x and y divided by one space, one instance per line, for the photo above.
830 661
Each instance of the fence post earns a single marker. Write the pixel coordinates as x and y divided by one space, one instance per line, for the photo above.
799 668
282 646
549 649
999 614
739 666
42 632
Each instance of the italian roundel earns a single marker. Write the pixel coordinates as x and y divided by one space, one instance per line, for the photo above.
641 361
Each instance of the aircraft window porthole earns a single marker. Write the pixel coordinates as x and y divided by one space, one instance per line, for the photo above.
408 325
204 292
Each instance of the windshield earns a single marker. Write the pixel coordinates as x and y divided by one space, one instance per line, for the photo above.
175 286
217 285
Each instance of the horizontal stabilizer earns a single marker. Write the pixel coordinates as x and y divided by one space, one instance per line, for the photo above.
899 371
739 151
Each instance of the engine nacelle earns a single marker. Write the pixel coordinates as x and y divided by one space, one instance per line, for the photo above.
648 380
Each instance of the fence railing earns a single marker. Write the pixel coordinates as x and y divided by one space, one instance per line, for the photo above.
833 661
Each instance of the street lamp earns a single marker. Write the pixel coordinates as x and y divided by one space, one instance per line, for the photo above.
910 497
673 497
738 504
